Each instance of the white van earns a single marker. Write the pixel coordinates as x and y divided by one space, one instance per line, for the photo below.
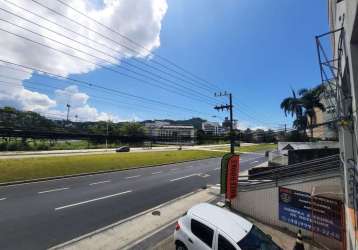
206 226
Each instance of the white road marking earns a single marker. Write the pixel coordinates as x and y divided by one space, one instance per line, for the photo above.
184 177
216 168
92 200
2 199
190 166
254 162
157 172
134 176
99 182
52 190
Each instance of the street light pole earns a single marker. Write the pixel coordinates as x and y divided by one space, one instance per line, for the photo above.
107 135
68 111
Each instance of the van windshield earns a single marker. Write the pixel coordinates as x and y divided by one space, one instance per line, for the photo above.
257 240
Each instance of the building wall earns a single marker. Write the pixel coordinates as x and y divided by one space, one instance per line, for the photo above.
263 205
344 14
329 131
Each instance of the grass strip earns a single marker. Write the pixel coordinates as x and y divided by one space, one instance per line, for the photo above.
42 167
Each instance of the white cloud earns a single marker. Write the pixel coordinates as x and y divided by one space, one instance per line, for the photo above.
140 20
71 95
80 110
13 93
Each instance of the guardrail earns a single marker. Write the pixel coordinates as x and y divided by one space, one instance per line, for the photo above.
315 167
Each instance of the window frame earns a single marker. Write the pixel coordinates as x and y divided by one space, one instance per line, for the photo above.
225 237
205 224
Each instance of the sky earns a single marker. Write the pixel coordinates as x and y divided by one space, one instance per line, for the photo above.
256 49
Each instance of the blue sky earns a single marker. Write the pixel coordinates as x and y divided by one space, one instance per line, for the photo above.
257 50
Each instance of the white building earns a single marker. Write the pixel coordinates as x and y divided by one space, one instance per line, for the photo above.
212 128
165 133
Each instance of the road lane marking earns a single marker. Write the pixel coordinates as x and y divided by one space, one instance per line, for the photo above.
2 199
92 200
190 166
52 190
134 176
184 177
216 168
157 172
254 162
99 182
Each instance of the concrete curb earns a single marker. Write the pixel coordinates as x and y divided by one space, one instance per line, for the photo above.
93 173
122 221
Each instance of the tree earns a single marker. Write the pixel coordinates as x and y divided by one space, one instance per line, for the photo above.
132 129
310 99
248 135
304 107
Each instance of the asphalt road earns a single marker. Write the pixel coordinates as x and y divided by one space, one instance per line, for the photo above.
43 214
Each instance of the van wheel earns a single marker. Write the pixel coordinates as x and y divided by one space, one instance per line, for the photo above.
180 246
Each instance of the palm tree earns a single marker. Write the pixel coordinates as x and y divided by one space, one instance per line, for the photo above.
310 99
304 107
292 105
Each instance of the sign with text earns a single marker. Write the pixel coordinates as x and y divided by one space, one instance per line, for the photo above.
318 214
233 169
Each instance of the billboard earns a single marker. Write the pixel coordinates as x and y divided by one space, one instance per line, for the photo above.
318 214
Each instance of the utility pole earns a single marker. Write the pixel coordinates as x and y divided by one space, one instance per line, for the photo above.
228 107
68 111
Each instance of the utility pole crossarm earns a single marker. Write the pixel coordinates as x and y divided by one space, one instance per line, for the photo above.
228 107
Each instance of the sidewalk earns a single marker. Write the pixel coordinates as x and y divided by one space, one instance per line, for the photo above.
128 233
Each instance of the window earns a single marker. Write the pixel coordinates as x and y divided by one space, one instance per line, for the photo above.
257 240
224 244
203 232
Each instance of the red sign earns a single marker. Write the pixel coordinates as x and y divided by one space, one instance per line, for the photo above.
233 170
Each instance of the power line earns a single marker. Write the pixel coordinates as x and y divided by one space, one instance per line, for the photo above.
63 27
86 45
96 64
95 97
118 33
88 28
106 89
132 41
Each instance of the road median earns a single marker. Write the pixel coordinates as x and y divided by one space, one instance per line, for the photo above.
16 171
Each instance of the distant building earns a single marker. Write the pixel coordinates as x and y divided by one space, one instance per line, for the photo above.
226 124
212 128
165 133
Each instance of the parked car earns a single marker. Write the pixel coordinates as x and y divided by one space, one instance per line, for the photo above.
206 226
123 149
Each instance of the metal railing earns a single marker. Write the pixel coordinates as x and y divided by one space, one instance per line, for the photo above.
317 167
